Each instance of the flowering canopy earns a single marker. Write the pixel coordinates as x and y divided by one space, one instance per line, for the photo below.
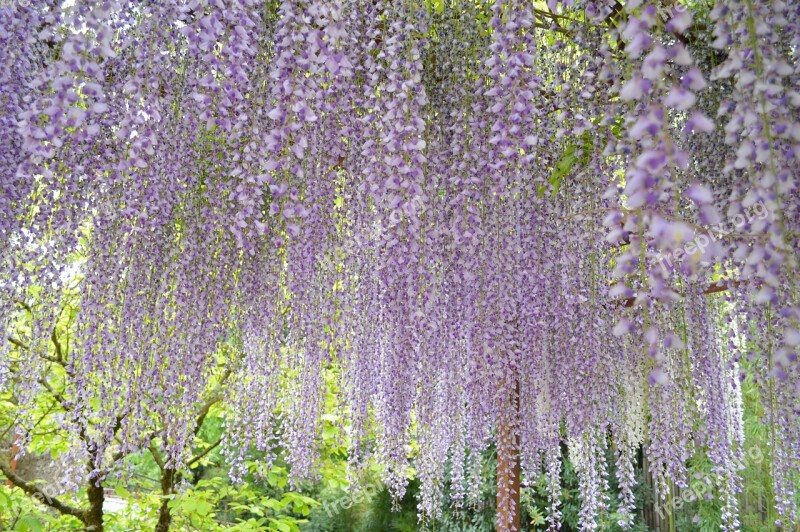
484 213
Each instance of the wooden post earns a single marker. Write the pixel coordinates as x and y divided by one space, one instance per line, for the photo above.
508 466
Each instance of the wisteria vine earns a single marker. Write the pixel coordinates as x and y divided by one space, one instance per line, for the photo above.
494 220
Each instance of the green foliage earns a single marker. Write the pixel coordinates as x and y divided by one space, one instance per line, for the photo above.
576 153
22 513
534 499
702 511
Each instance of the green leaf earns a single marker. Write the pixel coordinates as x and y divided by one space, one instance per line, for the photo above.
277 477
563 167
274 504
29 523
279 525
122 492
95 403
330 431
204 508
5 500
188 505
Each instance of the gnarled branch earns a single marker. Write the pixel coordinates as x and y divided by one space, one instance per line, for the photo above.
205 452
38 494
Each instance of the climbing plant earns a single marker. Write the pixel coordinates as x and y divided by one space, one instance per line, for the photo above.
503 222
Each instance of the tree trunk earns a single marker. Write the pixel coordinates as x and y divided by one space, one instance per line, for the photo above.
508 467
94 514
168 478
